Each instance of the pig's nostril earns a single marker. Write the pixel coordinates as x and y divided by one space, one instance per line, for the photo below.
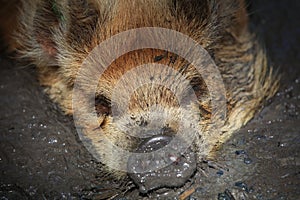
153 143
179 169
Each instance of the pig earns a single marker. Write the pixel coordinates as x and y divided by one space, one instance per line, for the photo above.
58 36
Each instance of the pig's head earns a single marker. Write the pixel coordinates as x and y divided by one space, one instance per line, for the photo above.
150 112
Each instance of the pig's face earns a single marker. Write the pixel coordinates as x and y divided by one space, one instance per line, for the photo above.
152 111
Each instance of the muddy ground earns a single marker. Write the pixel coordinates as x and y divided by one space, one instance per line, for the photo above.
41 156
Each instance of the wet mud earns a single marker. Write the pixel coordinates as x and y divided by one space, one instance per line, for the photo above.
41 156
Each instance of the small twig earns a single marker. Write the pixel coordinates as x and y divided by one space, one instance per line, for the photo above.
187 193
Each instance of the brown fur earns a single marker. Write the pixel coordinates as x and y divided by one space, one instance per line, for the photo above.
56 36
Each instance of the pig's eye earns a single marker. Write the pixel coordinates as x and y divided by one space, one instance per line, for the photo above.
199 87
102 105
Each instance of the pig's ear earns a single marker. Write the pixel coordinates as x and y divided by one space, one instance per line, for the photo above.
39 24
230 15
239 24
220 16
46 22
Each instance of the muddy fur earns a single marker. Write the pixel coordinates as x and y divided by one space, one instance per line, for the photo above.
57 36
